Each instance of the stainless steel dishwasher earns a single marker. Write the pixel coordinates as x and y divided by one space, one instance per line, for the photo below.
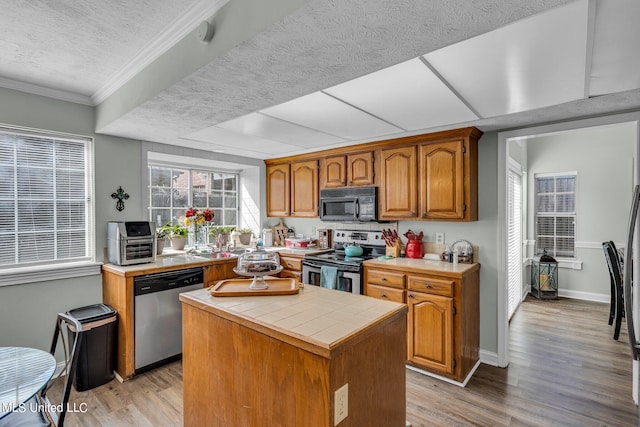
158 315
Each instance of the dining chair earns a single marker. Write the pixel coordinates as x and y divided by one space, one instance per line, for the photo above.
39 410
616 311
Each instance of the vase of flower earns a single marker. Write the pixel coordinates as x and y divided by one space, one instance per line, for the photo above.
197 221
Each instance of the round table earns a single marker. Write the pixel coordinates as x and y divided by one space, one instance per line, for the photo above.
23 372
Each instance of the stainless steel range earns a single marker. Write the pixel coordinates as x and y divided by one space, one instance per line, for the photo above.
349 268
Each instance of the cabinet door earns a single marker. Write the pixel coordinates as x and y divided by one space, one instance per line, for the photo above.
442 183
430 331
360 169
333 172
278 190
304 189
398 170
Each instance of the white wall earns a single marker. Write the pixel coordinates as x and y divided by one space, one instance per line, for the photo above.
604 159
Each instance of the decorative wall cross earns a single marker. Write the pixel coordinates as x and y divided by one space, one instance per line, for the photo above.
120 197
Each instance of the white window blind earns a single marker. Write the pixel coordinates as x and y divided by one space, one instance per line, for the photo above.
514 251
45 199
174 188
556 215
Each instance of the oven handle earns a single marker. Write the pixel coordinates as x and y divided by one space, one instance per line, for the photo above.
311 264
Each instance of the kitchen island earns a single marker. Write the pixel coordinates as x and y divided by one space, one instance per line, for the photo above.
279 360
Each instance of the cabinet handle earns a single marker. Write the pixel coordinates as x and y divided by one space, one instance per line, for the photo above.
384 279
428 286
412 213
383 295
409 296
350 182
424 215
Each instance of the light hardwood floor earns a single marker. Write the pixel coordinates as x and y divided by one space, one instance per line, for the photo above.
565 370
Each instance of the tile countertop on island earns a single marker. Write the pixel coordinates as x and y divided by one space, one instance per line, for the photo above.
316 319
423 265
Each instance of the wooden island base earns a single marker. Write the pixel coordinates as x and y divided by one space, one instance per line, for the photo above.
240 370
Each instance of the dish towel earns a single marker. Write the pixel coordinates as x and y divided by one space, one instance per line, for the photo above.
328 277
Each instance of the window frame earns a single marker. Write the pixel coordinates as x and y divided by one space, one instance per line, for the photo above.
54 269
572 215
177 212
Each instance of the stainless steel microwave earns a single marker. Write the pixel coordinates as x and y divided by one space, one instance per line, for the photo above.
351 204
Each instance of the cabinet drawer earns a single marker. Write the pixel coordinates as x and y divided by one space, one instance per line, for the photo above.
436 286
383 292
291 263
385 278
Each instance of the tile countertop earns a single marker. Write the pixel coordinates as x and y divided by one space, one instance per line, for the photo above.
427 265
317 319
164 262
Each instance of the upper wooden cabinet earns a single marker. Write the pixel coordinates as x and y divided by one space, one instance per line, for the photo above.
304 189
292 189
348 170
278 190
442 190
445 186
398 183
427 177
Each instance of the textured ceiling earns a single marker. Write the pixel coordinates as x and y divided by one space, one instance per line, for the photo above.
77 46
314 45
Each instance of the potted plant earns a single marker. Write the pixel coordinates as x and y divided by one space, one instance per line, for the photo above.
178 237
221 234
244 235
162 235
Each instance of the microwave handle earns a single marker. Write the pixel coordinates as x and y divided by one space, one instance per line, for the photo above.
356 211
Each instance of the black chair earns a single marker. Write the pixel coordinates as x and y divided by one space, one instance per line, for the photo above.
37 411
615 275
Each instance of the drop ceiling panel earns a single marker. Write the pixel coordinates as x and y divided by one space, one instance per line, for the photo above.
616 47
408 95
262 126
534 63
324 113
236 143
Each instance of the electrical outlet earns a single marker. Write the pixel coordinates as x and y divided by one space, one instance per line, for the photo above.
440 238
341 404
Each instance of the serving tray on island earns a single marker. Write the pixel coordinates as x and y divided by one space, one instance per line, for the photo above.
241 287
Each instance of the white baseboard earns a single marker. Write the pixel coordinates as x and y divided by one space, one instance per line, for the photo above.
445 379
585 296
489 357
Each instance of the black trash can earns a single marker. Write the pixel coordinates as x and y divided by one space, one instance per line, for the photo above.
98 351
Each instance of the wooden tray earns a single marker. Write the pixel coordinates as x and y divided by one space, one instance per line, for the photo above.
240 287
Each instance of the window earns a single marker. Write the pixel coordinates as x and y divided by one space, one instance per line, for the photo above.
45 199
556 214
173 189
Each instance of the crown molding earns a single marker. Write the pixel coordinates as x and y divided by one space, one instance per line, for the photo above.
62 95
167 38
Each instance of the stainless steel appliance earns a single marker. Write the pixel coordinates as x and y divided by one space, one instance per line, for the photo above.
353 204
349 268
131 242
630 310
158 315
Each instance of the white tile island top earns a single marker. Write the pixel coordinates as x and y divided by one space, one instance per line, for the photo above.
316 319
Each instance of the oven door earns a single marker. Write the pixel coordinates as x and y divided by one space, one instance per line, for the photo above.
348 281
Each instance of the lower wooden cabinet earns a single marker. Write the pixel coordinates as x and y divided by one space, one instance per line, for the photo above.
443 325
291 267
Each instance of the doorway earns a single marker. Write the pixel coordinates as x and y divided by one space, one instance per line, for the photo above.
633 120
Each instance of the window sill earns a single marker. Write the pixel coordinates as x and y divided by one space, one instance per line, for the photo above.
21 275
571 264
